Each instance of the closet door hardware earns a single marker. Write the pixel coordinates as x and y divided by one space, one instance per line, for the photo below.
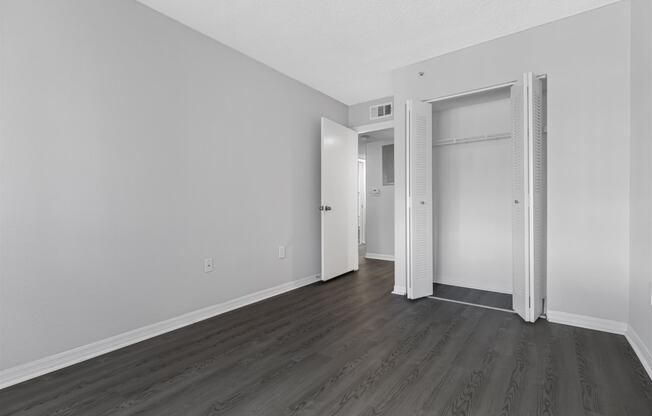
516 201
325 208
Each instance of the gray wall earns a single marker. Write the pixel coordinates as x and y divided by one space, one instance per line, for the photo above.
587 60
640 312
380 208
359 113
132 148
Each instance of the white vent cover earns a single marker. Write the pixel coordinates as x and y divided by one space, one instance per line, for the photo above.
380 111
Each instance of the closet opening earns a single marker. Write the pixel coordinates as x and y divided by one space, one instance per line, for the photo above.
476 197
472 198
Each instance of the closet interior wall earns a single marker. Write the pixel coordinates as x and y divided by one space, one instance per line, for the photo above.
472 191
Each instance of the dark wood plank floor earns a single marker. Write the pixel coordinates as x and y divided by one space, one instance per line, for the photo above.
349 347
475 296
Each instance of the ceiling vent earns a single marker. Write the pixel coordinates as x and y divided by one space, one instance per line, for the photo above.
380 111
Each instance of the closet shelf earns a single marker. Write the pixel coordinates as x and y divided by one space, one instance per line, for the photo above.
473 139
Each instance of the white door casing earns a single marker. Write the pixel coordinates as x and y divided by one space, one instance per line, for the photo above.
419 199
362 201
339 188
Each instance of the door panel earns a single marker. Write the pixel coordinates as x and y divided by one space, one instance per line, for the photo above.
520 268
538 223
529 193
339 188
420 214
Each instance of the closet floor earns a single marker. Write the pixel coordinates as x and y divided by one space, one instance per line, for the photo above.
474 296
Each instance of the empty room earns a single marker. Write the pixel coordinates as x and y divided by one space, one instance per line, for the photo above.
348 207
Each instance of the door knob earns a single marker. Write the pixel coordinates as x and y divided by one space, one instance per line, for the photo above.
327 208
516 201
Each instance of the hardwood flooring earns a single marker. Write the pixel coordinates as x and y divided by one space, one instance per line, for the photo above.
475 296
349 347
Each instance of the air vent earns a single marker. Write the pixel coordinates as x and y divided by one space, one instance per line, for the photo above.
380 111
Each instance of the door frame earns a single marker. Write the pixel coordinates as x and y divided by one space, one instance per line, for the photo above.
362 201
369 128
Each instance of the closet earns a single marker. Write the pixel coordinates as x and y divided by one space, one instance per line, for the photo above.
472 187
476 193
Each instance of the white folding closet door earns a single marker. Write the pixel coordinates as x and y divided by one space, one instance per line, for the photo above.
538 203
520 237
420 215
529 199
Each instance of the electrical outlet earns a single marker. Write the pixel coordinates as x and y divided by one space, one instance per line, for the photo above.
281 252
208 265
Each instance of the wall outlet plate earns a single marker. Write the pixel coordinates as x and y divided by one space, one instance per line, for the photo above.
208 265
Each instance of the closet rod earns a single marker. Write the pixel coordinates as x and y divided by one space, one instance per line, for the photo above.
483 138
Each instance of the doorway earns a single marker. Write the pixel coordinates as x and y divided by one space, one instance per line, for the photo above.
376 194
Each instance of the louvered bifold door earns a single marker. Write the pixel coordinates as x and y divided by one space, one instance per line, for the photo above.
420 215
537 185
520 238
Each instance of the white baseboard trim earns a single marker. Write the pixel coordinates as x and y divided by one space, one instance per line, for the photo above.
399 290
615 327
377 256
23 372
587 322
642 351
457 282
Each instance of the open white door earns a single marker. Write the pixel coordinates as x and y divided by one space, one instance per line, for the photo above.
529 194
339 200
419 199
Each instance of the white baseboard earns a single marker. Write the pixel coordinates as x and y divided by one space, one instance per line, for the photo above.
587 322
399 290
377 256
615 327
17 374
642 351
457 282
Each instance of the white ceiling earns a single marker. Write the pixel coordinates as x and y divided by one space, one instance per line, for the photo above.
347 48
